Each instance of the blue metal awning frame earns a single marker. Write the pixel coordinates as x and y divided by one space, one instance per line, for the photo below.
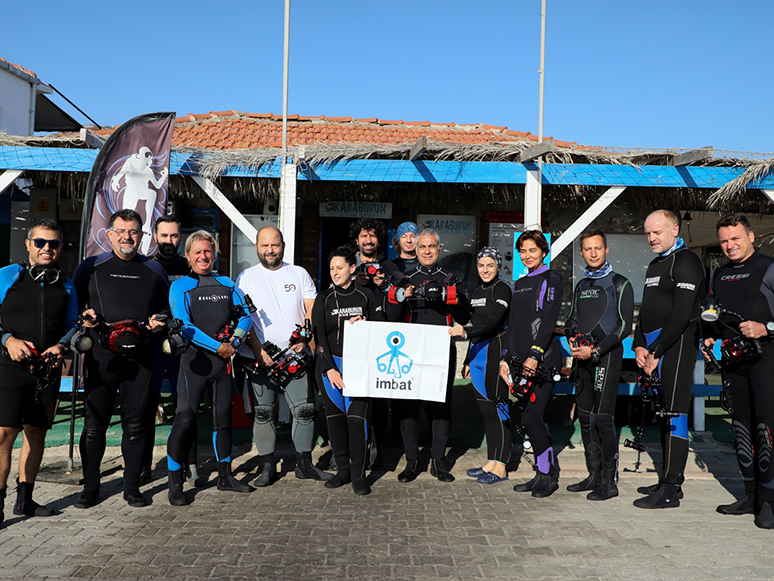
444 172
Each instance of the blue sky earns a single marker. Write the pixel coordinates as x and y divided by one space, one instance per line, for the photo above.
661 74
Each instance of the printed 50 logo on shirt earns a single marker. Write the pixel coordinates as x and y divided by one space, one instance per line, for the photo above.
396 360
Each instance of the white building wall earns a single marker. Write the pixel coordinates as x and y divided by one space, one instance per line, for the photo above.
14 104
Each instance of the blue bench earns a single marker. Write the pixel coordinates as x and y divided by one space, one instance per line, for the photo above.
699 389
66 385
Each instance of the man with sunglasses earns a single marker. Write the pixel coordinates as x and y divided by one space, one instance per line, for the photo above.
121 286
38 309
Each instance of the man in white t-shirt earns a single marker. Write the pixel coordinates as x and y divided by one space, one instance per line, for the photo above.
283 295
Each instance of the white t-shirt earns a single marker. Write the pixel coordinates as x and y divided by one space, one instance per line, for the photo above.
278 296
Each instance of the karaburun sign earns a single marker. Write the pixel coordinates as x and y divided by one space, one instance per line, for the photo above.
396 360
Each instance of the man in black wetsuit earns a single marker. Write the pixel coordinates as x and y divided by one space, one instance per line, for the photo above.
745 286
600 318
666 343
434 297
120 285
168 239
38 309
367 233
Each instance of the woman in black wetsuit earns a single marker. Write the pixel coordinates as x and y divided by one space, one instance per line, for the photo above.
346 416
535 306
488 316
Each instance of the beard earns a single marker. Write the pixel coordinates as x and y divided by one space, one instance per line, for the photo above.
271 263
369 252
167 250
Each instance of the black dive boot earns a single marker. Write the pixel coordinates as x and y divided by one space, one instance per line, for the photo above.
410 472
546 484
226 480
175 494
666 496
608 484
764 515
24 503
438 471
591 482
2 503
745 505
529 485
268 466
305 468
340 479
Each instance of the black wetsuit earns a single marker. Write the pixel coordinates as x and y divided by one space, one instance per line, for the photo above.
488 316
346 416
204 304
603 310
379 408
405 264
176 267
535 306
118 289
669 328
431 312
42 312
748 290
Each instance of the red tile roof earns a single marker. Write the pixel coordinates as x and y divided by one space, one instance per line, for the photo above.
224 130
21 68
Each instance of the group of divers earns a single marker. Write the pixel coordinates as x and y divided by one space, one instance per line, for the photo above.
271 318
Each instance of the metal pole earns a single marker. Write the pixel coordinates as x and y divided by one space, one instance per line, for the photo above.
540 113
285 84
542 69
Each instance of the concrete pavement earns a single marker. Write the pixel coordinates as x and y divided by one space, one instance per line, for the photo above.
297 529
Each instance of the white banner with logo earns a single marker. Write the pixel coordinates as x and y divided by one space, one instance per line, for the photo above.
396 360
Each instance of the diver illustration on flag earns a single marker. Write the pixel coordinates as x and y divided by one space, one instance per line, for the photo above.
131 172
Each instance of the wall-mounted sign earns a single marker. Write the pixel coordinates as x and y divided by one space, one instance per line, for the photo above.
502 237
381 210
458 233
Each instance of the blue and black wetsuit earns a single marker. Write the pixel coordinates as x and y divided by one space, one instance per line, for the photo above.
668 328
118 289
747 288
602 308
346 416
43 312
488 316
204 304
535 306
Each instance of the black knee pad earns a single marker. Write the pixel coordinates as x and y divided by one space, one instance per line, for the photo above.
93 436
134 429
585 418
605 425
263 414
305 412
185 419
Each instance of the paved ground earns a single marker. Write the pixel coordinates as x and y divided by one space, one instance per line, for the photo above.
424 530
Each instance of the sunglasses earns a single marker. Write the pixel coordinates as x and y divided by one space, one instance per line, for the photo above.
41 243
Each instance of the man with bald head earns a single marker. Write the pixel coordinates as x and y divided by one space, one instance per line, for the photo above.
284 295
666 343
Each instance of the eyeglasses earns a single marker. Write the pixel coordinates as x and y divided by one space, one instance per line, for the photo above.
41 243
122 231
